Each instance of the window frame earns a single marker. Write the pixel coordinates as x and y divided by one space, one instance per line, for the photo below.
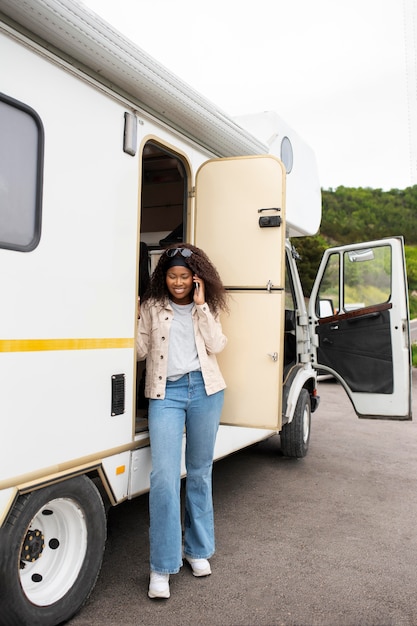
39 168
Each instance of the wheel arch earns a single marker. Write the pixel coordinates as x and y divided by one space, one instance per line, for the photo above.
94 472
296 379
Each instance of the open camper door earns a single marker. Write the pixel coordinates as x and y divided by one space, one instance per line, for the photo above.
240 224
360 323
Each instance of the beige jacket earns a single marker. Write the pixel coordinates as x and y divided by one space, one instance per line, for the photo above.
152 342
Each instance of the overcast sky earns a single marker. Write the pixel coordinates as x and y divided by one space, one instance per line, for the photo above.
342 74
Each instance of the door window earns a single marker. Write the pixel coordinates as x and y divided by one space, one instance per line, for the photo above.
367 277
328 301
355 279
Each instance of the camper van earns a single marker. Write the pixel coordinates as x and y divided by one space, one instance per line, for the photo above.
105 153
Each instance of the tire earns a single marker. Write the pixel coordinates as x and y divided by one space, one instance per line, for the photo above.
295 436
51 550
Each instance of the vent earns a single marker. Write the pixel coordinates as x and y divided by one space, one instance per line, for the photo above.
117 394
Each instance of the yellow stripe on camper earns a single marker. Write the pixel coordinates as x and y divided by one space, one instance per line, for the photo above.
46 345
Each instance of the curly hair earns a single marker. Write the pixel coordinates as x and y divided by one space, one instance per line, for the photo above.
199 263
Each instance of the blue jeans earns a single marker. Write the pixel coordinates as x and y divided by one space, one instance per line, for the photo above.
186 404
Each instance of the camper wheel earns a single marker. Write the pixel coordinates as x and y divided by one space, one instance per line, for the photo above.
295 436
51 549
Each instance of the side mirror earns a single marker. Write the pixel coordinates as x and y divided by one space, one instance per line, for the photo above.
325 307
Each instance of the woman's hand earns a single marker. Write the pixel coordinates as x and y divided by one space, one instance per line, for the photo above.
199 293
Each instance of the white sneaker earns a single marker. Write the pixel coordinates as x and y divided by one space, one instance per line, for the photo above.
200 567
159 585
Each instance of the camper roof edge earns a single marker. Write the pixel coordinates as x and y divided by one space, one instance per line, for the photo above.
77 32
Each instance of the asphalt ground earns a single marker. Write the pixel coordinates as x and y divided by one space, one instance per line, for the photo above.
329 540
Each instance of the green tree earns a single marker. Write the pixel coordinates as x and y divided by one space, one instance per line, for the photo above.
360 214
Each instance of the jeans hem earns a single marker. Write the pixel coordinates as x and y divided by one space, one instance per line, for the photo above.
165 571
198 556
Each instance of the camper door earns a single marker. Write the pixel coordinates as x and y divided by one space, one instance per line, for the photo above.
240 224
360 324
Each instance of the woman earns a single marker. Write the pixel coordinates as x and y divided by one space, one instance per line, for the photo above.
179 333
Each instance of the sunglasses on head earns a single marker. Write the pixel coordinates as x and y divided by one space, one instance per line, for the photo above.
185 252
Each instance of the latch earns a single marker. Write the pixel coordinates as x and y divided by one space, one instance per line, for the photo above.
269 221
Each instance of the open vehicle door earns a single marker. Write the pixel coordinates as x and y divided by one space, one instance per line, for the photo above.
240 225
360 325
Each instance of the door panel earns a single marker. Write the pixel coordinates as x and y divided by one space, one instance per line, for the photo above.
230 193
359 348
359 308
252 371
231 197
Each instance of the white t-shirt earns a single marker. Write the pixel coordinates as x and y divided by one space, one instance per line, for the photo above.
182 351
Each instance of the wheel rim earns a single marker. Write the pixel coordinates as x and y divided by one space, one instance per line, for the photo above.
53 551
306 424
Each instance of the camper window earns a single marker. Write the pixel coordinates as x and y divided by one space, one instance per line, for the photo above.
21 168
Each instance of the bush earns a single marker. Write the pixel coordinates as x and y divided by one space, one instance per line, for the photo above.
413 306
411 263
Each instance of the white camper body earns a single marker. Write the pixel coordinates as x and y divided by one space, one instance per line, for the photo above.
102 148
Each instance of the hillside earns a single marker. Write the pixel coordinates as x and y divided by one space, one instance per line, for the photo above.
354 214
362 214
